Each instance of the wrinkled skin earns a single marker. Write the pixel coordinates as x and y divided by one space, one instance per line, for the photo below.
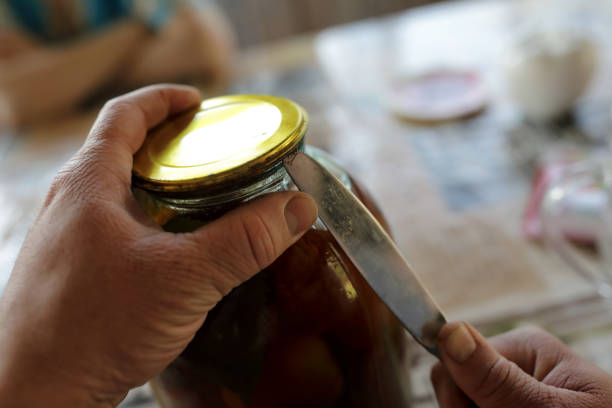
526 368
101 299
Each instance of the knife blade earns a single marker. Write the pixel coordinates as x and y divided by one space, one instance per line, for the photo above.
370 248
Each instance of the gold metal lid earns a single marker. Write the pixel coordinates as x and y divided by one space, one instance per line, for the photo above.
225 140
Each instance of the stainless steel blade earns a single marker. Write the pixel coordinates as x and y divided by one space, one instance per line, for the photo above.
370 248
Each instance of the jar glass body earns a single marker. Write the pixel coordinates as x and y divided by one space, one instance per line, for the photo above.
307 331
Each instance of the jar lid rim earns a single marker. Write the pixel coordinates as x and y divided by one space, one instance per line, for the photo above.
224 140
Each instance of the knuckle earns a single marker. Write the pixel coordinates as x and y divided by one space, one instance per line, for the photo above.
117 105
72 182
539 339
160 93
118 121
117 113
110 117
536 338
533 331
211 259
129 105
160 100
227 255
99 219
57 184
260 239
494 384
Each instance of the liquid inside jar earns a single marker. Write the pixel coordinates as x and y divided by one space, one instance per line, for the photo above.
305 332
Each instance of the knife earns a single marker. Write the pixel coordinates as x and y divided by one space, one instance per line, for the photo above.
370 248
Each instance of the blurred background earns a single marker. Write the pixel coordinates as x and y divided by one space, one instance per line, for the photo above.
481 127
251 18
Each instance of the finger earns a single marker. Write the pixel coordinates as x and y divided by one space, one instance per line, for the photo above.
553 363
122 125
447 392
534 350
484 375
248 239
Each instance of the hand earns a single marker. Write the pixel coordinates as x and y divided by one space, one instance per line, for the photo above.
14 42
522 368
101 299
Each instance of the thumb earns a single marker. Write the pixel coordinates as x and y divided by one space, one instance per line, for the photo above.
484 375
248 239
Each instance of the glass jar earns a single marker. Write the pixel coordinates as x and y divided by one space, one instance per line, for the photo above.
307 331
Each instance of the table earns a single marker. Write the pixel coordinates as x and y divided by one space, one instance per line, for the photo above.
453 193
433 182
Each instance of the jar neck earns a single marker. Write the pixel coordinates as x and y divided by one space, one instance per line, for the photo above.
277 180
206 207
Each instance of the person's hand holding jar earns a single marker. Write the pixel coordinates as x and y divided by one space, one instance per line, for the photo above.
101 298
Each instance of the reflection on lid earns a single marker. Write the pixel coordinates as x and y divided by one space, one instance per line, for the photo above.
219 133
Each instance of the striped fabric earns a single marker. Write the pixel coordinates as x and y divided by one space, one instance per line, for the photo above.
57 20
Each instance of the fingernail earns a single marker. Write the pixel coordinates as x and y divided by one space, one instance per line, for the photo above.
300 213
458 342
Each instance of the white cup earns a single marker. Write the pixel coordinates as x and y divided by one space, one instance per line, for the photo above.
547 71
